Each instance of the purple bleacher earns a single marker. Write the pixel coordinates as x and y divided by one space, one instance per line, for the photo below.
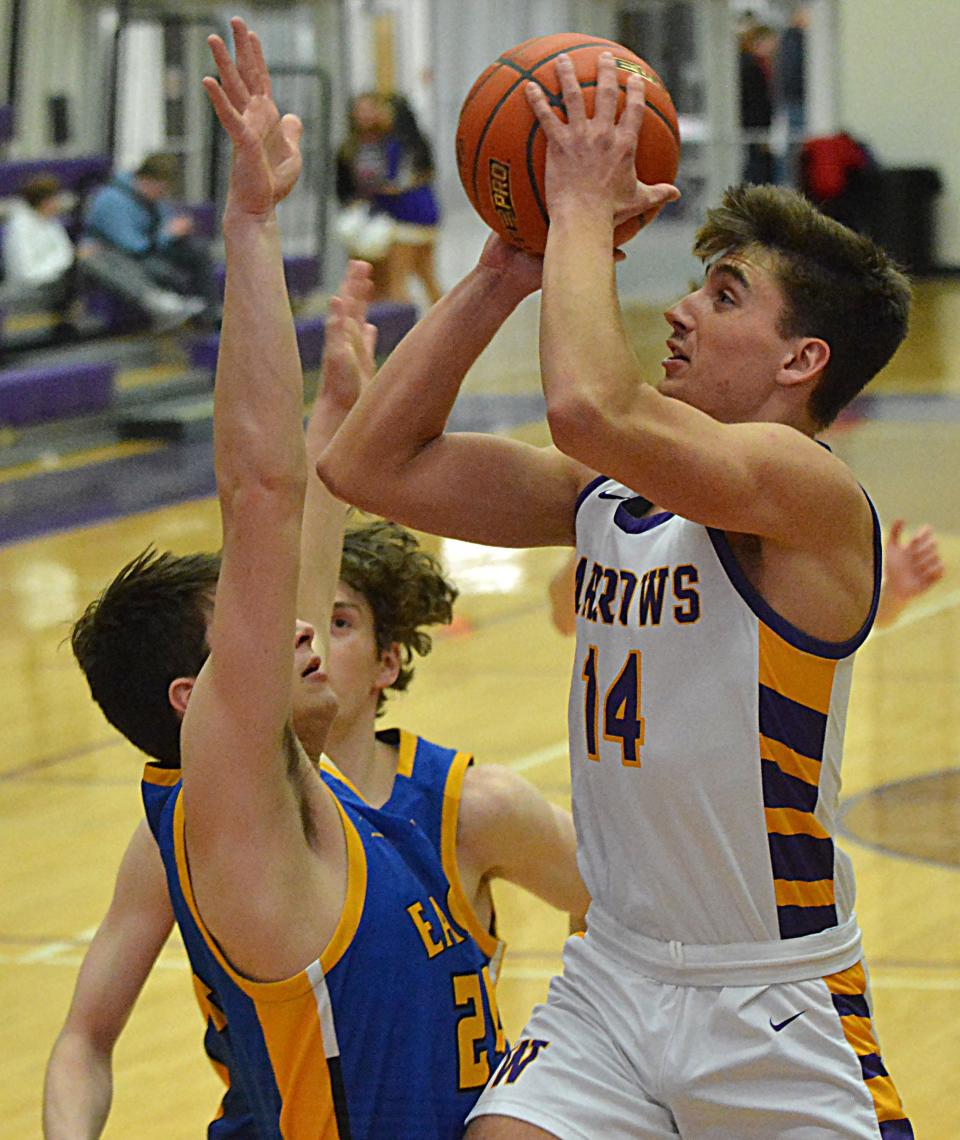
203 350
77 174
301 271
54 391
393 321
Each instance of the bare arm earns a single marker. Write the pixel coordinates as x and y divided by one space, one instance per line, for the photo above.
755 478
348 364
251 863
79 1083
909 570
508 830
561 591
393 455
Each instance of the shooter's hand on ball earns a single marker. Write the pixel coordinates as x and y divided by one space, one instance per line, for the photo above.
591 161
522 271
266 148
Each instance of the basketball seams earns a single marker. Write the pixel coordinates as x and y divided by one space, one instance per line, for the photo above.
526 199
523 75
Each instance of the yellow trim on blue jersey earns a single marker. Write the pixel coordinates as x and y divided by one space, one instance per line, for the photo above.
408 753
461 909
798 892
801 676
299 983
790 821
327 765
160 777
355 897
789 761
299 1062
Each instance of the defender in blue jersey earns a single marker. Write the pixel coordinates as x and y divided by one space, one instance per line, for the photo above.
276 881
433 786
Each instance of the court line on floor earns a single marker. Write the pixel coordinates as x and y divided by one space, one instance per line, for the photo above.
920 611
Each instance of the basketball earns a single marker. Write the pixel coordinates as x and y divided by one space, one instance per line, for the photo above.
501 149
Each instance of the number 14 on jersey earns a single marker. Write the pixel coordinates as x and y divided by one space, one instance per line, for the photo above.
619 709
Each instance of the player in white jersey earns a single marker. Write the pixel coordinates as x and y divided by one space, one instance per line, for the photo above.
719 990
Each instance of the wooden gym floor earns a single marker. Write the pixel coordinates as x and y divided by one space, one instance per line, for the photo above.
497 685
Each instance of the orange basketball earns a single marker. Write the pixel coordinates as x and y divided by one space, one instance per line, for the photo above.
501 150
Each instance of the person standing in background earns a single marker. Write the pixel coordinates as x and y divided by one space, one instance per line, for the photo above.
758 43
387 163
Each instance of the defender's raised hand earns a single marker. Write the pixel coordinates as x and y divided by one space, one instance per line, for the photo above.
266 147
350 343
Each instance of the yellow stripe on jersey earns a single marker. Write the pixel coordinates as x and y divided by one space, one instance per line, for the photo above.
300 1068
796 892
160 777
460 907
408 752
789 821
790 762
207 1008
801 676
328 766
355 897
346 927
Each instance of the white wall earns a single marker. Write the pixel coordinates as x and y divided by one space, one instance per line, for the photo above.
900 93
56 59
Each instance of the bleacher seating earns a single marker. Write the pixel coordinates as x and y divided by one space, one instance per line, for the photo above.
55 391
78 174
393 321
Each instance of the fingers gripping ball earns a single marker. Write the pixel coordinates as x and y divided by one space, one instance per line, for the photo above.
501 149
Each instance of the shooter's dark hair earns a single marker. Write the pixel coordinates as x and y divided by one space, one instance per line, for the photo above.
838 285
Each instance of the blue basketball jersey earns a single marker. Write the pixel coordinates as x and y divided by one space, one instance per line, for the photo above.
393 1030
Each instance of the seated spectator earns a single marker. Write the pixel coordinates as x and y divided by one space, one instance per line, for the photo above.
136 245
38 255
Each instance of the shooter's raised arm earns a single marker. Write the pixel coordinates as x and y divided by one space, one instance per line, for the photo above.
394 456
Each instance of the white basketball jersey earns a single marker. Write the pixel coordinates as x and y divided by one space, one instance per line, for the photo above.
706 735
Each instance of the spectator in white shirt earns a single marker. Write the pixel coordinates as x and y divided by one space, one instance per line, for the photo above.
38 255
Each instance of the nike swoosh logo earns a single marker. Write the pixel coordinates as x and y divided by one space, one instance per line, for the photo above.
777 1026
607 495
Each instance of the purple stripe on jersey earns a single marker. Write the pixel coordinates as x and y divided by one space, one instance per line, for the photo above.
781 790
834 650
896 1130
626 522
797 921
801 858
871 1065
851 1005
590 487
800 728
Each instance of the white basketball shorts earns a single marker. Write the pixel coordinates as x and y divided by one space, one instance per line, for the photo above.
615 1054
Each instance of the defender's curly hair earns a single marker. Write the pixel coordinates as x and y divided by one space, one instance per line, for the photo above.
404 586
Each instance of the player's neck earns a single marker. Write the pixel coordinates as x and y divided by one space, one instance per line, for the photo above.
369 764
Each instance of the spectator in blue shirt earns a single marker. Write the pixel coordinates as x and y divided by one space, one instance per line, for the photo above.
136 244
